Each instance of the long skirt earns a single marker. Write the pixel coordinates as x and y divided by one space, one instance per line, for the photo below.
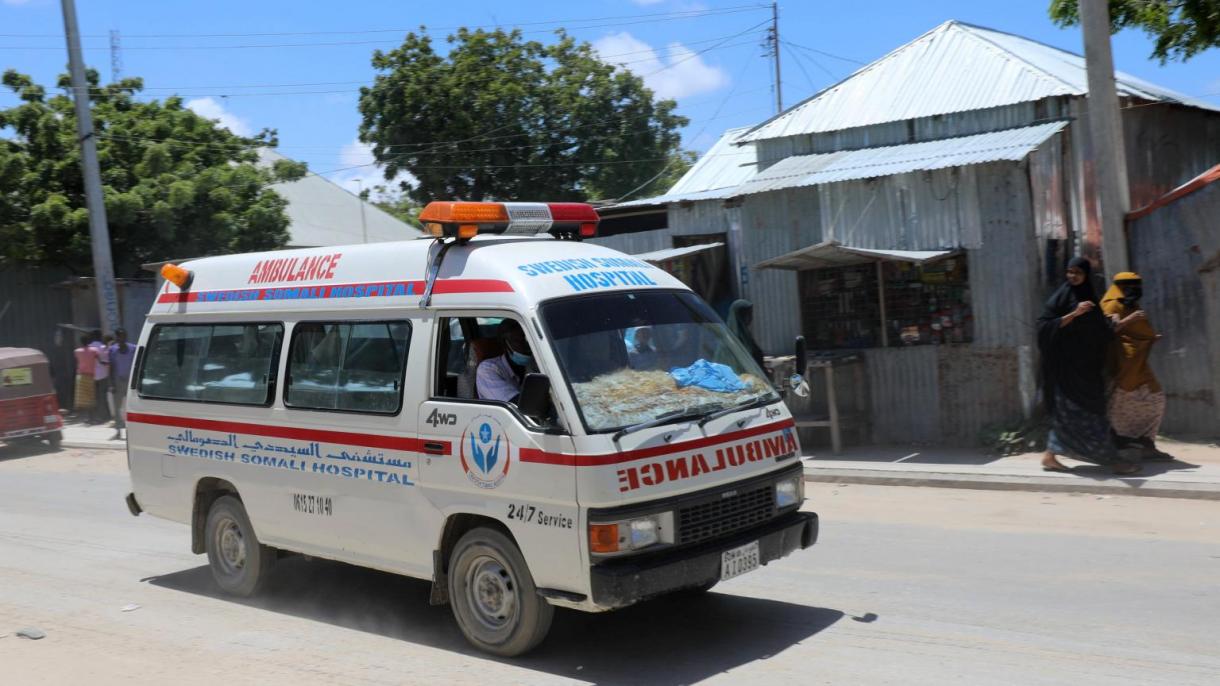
1138 413
84 396
1079 433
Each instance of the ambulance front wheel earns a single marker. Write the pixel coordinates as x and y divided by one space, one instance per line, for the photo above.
493 595
239 562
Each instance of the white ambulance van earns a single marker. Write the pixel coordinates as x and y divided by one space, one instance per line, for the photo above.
523 419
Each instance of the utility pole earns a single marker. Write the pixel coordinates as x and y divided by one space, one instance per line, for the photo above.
116 57
99 234
773 39
1113 196
364 228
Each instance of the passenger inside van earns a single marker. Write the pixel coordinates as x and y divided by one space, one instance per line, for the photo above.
500 377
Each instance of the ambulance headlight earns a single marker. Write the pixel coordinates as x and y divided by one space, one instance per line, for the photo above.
644 532
789 492
624 536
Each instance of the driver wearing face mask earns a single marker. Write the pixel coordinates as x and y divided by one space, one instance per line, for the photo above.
500 378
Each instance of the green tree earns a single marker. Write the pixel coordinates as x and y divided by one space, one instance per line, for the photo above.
1182 28
499 117
175 184
396 202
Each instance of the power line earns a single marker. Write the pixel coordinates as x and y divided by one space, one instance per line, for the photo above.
813 87
824 53
675 15
668 51
318 44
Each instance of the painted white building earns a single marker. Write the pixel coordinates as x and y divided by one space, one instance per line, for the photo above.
321 212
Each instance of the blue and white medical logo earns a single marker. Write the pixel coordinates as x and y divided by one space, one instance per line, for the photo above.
485 452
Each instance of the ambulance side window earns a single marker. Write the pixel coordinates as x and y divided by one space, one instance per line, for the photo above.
347 366
463 343
219 363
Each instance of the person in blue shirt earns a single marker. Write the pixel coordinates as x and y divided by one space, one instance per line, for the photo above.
500 377
122 355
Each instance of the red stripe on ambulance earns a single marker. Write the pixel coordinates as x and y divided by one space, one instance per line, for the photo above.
320 435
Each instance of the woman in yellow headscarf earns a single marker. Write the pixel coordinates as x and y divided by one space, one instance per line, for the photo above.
1137 402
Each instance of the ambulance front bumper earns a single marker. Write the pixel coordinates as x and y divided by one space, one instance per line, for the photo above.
626 581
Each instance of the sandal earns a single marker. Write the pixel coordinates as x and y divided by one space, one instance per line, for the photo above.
1127 468
1057 468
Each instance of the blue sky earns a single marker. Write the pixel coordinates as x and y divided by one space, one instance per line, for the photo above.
706 55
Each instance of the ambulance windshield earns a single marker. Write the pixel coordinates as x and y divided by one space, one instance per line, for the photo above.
632 357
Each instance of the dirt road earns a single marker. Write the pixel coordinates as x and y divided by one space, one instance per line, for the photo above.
908 585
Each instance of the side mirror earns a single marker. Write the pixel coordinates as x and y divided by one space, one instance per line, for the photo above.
535 399
802 355
800 387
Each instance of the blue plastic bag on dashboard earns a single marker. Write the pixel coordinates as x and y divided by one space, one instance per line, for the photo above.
710 375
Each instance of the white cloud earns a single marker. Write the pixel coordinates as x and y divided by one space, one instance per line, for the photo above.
674 72
365 172
211 108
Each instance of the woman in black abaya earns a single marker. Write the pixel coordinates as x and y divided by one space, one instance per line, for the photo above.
1073 336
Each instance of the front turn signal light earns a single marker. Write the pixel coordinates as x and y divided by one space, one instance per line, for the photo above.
603 538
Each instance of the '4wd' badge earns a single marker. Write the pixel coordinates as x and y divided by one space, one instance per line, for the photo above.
485 452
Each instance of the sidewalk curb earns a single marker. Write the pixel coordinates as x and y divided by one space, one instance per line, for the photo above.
93 445
989 482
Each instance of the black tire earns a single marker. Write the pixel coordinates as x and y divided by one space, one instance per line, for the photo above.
55 438
493 595
239 562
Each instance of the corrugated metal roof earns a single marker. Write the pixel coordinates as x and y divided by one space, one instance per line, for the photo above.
810 170
321 212
834 254
955 67
723 167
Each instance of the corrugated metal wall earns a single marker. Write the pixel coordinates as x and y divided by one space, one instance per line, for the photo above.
979 387
1005 274
904 392
1176 249
40 306
1167 146
925 210
773 224
31 310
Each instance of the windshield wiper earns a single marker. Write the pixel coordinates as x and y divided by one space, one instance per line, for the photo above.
663 418
748 404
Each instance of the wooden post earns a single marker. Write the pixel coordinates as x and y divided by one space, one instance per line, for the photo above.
885 331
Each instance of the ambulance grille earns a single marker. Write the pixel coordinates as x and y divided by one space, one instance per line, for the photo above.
724 514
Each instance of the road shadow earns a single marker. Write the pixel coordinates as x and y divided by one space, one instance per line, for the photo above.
22 448
665 641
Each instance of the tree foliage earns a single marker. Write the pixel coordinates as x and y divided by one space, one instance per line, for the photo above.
1182 28
175 184
499 117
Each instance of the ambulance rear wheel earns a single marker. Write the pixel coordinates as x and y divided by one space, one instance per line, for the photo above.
493 595
55 438
239 562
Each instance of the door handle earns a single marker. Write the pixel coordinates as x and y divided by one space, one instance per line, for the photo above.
433 448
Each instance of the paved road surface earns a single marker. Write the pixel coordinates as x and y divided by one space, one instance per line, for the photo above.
907 586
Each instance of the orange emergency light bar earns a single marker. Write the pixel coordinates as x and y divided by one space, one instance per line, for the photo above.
465 220
178 276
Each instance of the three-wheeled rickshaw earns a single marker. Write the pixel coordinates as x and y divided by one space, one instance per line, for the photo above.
28 406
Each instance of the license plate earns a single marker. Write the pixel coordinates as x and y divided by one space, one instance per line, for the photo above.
738 561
